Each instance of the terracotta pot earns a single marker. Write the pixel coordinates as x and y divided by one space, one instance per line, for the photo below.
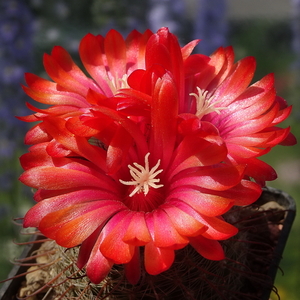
275 209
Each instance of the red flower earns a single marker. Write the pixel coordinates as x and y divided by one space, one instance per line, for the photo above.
217 90
150 164
68 93
246 116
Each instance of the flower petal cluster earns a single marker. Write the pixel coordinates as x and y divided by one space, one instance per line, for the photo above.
144 156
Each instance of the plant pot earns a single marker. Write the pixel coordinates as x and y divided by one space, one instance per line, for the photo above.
288 205
17 274
274 212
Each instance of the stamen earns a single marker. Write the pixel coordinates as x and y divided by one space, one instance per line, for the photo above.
118 83
143 178
204 105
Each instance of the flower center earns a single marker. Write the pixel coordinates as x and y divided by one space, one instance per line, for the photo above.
143 178
118 83
204 104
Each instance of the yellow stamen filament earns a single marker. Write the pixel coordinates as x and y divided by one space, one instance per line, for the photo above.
143 178
204 104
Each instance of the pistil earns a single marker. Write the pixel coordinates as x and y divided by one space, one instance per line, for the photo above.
143 178
204 104
118 83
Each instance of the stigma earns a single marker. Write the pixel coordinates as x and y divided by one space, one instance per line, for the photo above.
204 104
143 178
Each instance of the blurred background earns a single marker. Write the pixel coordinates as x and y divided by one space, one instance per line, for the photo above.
268 30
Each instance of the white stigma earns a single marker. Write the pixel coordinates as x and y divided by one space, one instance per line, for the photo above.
204 104
143 178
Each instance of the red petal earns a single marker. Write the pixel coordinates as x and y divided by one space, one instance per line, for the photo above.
36 157
261 139
255 100
136 47
97 266
240 151
91 50
290 140
205 203
284 110
236 82
115 50
220 177
63 76
245 193
195 151
51 202
112 246
70 226
37 134
251 190
165 99
87 247
244 126
56 149
67 66
252 104
133 268
184 223
259 170
47 92
196 63
132 102
76 126
80 145
129 125
163 233
163 49
57 178
209 249
56 110
157 260
217 228
220 65
137 233
118 150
